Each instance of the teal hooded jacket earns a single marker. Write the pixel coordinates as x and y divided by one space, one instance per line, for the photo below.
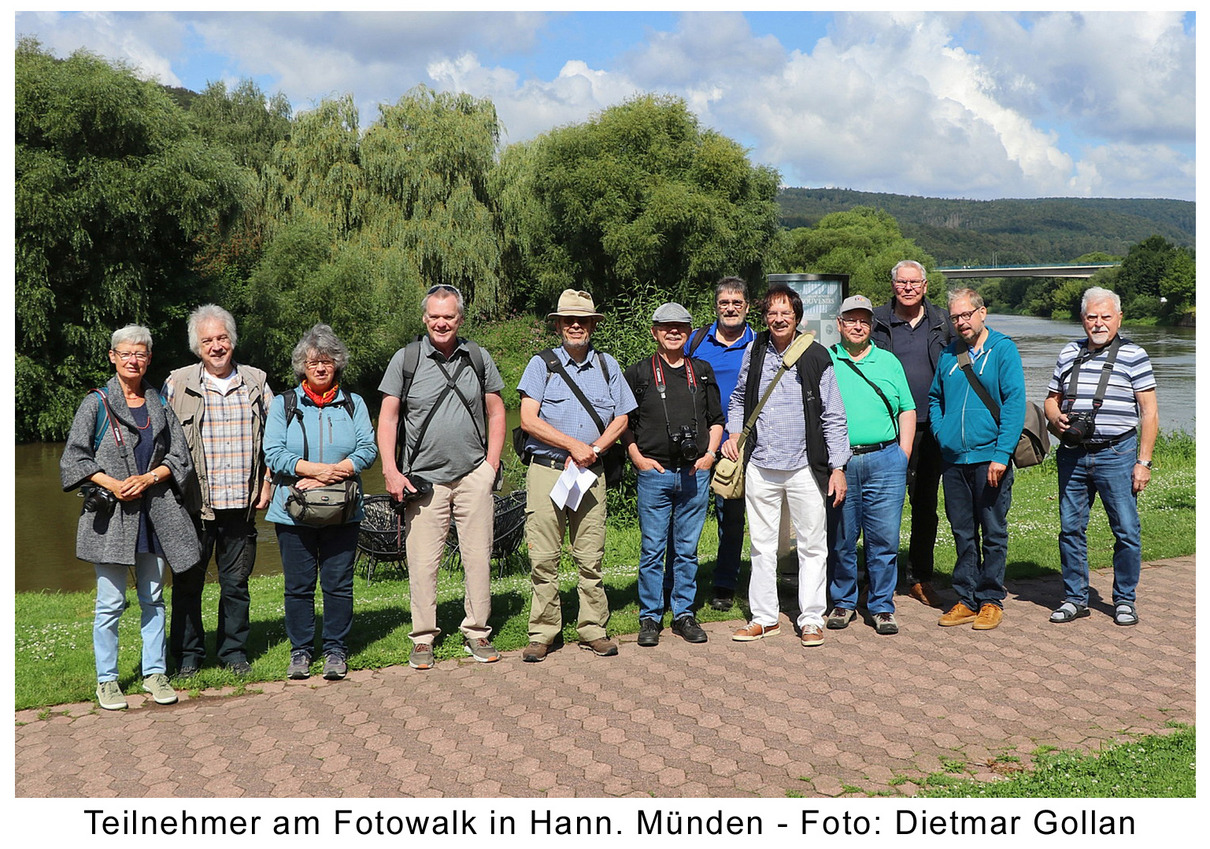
963 425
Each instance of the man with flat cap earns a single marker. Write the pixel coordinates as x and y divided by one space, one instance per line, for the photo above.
574 406
672 440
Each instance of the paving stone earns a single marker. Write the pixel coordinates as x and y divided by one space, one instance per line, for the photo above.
684 721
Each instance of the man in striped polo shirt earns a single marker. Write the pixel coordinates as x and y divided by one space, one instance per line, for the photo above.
1106 450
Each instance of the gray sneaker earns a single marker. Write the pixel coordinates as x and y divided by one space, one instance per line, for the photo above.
421 656
300 665
161 691
884 623
109 696
335 666
482 650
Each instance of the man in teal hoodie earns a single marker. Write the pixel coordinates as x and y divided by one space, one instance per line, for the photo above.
976 452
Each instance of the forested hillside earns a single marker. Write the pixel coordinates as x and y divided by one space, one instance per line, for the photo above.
1018 231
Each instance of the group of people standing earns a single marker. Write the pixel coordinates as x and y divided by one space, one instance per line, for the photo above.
175 476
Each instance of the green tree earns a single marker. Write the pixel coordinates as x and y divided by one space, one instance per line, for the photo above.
641 194
113 187
362 225
864 243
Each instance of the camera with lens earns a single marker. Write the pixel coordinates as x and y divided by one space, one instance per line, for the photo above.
1079 429
684 440
98 499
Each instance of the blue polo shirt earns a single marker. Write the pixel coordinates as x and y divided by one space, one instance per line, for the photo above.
724 359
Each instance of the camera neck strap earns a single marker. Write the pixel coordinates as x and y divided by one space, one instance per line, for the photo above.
661 386
1073 378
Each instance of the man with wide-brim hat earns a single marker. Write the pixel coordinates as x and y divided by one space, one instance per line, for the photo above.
563 431
576 304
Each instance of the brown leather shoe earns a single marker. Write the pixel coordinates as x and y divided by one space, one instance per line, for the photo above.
989 617
601 646
535 652
812 635
924 593
753 631
959 614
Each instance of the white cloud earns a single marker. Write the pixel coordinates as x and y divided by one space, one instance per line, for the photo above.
956 104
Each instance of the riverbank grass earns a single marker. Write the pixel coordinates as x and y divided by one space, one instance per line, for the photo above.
53 631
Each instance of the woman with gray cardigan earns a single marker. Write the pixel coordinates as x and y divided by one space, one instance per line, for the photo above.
127 453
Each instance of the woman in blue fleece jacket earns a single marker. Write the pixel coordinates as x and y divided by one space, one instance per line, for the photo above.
977 476
329 439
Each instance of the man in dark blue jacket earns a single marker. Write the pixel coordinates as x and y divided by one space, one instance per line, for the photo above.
915 331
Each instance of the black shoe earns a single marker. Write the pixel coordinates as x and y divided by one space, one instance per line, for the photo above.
186 671
242 668
649 632
687 627
723 600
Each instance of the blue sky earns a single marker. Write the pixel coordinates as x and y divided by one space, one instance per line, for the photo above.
948 104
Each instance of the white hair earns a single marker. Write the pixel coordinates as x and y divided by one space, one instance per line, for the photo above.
1097 294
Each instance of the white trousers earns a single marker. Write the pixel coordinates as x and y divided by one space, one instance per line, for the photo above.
764 492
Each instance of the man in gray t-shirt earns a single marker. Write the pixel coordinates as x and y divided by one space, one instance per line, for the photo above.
451 436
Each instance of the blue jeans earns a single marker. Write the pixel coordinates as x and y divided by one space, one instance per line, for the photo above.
329 552
670 504
977 511
1084 474
111 601
873 507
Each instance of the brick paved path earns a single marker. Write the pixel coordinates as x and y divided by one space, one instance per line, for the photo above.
722 719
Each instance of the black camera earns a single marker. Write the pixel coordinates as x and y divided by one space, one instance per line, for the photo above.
1079 429
98 499
423 488
685 442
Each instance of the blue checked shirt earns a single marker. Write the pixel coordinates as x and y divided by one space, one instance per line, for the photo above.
781 429
562 410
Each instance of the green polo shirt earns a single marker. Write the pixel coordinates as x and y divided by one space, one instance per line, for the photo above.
869 422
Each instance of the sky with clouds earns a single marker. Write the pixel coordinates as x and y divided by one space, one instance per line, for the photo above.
943 104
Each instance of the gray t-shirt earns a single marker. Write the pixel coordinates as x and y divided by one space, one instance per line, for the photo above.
455 444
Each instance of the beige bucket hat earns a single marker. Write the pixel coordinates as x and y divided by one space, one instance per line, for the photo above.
573 304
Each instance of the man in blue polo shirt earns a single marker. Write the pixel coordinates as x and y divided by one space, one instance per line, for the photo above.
722 345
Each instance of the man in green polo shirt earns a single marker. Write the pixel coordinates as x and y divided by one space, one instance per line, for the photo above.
882 425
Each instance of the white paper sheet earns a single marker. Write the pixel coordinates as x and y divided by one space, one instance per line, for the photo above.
569 489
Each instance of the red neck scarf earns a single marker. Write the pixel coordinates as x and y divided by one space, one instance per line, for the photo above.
320 400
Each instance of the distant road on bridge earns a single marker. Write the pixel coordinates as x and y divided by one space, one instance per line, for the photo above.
979 271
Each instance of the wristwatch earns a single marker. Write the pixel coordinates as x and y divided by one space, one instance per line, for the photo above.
595 449
154 477
1144 463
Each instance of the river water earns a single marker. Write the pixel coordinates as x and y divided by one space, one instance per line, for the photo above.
46 516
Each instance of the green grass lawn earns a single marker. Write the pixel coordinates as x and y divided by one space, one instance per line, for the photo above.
54 630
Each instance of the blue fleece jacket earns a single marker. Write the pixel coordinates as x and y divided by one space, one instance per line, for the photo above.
963 425
332 436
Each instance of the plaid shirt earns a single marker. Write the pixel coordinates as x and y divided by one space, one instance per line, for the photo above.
227 441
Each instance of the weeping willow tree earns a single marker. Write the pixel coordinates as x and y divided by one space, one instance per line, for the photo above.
113 189
365 223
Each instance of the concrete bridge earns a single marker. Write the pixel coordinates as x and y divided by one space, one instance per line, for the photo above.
981 271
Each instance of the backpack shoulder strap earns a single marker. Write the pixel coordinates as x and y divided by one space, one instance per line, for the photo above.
98 435
964 361
697 338
411 362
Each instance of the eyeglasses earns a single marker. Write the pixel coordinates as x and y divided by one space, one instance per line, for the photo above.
963 316
443 287
318 363
910 285
582 320
140 356
681 329
739 305
856 322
